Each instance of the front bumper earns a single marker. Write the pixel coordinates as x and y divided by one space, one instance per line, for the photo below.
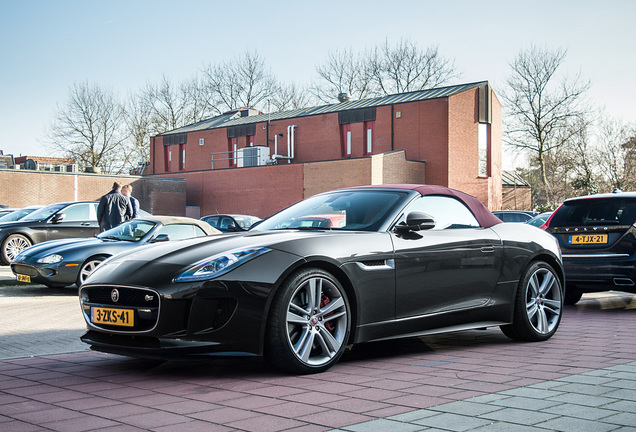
216 317
52 274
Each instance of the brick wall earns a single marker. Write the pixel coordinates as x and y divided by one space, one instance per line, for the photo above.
21 188
263 191
519 198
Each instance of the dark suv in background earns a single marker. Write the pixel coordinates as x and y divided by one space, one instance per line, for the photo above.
597 235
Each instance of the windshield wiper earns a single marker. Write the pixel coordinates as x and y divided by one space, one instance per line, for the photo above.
110 238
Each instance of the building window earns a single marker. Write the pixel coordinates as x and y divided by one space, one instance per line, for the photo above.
232 147
345 137
167 157
201 141
181 157
484 149
368 137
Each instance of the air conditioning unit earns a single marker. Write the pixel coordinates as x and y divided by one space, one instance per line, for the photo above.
252 156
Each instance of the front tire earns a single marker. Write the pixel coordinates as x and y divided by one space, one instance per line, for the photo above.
309 324
88 267
12 246
538 305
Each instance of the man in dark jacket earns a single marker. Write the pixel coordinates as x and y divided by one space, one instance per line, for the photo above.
113 208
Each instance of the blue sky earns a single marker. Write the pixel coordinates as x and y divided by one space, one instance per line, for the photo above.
46 46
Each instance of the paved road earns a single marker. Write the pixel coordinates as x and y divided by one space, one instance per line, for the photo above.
36 320
583 379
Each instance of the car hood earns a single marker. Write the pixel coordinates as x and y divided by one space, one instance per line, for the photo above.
62 246
165 261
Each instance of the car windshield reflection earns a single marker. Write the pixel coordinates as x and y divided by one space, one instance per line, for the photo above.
362 210
133 231
43 213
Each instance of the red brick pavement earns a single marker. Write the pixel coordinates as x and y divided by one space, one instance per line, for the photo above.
93 391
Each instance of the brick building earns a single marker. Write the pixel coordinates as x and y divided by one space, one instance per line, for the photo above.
245 161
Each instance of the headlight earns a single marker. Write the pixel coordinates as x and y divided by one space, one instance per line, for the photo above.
219 264
51 259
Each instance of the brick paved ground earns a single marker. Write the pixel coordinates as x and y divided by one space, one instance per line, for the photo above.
583 379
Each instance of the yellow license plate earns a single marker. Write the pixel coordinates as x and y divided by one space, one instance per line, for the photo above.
24 278
580 239
116 317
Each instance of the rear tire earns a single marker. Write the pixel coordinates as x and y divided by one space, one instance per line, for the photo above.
12 246
309 323
538 305
572 295
88 267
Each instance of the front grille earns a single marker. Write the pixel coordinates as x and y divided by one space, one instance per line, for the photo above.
144 303
132 297
24 270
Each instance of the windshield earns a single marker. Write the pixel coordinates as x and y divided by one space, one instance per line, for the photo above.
245 222
16 215
44 212
359 210
133 230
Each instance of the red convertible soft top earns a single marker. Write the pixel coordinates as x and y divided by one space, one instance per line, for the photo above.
484 216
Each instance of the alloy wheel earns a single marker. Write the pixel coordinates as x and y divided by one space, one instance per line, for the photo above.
87 268
317 321
543 301
14 245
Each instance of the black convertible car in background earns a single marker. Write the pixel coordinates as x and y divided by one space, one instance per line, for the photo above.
402 260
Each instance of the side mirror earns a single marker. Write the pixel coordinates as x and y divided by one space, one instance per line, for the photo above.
161 238
416 221
58 217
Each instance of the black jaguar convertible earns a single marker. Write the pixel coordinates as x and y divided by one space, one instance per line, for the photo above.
383 262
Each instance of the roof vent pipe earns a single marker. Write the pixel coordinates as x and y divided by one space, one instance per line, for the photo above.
344 97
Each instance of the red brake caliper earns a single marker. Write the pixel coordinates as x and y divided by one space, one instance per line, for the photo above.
324 301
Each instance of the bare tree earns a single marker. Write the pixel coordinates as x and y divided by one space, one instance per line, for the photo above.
618 153
88 128
244 81
405 67
343 72
289 97
168 105
138 120
583 158
542 111
383 70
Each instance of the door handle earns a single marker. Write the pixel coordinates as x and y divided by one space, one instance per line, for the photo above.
85 224
488 249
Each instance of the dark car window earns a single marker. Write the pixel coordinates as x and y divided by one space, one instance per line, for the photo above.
513 216
77 212
180 231
364 210
212 220
596 211
447 212
226 222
